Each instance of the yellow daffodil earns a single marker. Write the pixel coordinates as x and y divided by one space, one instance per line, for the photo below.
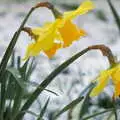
45 40
62 29
103 79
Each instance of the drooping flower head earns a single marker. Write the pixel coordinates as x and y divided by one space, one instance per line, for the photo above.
103 79
62 30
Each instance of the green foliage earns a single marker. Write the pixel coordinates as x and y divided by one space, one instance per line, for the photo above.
43 110
115 14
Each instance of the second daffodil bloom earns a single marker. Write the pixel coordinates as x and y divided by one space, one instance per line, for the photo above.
62 30
103 79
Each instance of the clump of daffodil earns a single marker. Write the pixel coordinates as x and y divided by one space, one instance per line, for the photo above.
58 34
114 74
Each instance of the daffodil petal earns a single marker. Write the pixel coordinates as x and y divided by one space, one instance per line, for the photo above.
29 51
117 90
102 82
82 9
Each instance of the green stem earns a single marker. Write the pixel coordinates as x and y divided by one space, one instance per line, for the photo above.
115 14
115 110
6 57
96 114
11 46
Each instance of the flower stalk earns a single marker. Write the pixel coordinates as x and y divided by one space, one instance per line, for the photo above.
106 51
50 6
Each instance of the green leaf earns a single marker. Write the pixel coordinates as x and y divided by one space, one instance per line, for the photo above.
30 112
11 45
12 62
17 76
31 69
3 95
97 114
43 110
36 84
17 102
69 106
115 14
48 80
23 70
85 104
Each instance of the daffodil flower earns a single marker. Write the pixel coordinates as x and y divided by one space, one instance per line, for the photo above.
103 79
62 29
44 41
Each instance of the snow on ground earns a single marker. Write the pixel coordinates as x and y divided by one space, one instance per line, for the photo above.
69 83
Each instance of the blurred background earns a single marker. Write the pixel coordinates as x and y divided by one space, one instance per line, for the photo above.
101 28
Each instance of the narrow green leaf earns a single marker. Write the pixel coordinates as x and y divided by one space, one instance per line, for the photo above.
115 110
36 85
30 112
69 106
11 46
48 80
51 92
7 113
12 62
17 76
18 62
23 70
31 69
17 102
43 110
3 96
96 114
115 14
85 104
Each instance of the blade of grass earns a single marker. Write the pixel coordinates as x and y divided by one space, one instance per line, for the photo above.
115 14
43 110
98 113
17 102
30 112
85 104
19 90
115 110
31 69
69 106
11 45
36 84
3 96
23 70
47 81
17 76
